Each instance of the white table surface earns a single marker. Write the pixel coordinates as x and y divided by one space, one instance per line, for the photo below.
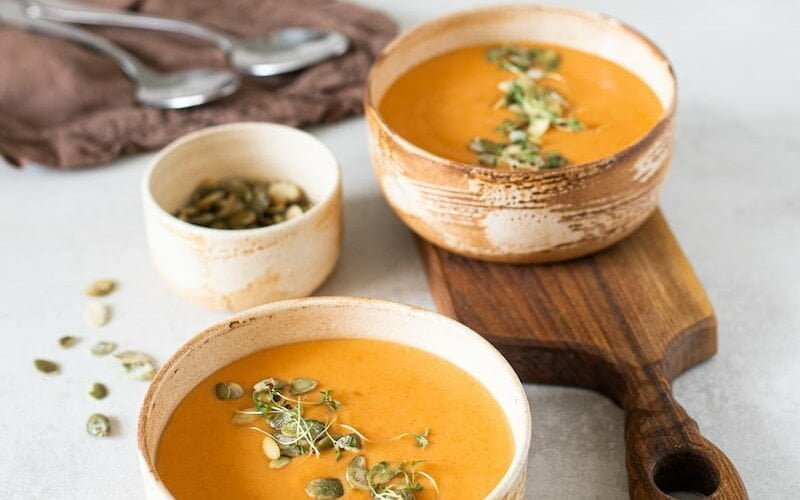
732 198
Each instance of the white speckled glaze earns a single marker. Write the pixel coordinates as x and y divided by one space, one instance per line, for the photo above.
237 269
329 318
522 216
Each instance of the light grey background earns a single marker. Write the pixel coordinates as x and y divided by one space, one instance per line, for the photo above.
732 198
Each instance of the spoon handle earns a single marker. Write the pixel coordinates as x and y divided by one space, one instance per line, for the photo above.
68 13
13 14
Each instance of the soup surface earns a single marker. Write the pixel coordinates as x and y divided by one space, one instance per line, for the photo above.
441 104
385 390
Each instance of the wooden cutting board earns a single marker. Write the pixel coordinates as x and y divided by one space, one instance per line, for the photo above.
624 322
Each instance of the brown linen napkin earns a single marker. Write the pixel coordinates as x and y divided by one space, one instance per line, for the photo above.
66 106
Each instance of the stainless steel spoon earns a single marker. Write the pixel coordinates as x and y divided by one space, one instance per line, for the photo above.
283 51
176 90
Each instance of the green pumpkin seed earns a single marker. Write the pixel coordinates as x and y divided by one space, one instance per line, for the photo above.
356 473
68 341
279 463
208 200
241 219
270 448
278 421
381 473
98 391
101 288
137 365
302 385
349 442
103 347
326 488
98 425
231 390
46 366
202 219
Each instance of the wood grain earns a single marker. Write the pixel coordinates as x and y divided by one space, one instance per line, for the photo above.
624 322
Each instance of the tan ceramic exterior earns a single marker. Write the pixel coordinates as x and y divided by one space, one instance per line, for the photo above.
519 216
327 318
234 270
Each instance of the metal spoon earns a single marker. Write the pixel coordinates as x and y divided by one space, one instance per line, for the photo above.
177 90
283 51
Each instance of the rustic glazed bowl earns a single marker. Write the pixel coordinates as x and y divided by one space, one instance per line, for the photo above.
237 269
522 216
331 318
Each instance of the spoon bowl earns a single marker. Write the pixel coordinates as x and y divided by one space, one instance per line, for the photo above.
284 51
184 89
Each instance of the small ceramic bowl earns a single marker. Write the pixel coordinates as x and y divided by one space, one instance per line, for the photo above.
522 216
237 269
330 318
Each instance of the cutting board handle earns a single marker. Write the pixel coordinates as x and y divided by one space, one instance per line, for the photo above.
665 451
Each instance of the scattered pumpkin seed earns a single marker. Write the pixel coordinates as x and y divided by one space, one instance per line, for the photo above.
101 288
301 386
241 203
230 390
68 341
103 347
46 366
96 314
279 463
270 448
326 488
349 442
381 473
99 391
356 473
137 365
98 425
269 383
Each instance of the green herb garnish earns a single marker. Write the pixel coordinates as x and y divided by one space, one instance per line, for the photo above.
538 108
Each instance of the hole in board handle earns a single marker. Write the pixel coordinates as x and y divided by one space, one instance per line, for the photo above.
686 475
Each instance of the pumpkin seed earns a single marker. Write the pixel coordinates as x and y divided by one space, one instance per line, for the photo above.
101 288
99 391
46 366
231 390
349 442
301 386
356 473
241 203
137 365
98 425
96 314
103 347
381 473
68 341
279 463
270 448
326 488
277 421
269 383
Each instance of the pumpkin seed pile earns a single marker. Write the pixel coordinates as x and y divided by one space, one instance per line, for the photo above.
287 434
241 203
136 365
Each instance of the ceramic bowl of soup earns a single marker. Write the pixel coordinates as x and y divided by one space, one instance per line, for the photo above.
413 391
438 88
234 269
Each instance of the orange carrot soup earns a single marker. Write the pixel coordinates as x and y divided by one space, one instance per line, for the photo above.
520 106
350 418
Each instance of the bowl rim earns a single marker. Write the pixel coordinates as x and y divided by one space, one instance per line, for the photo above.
268 127
666 117
518 459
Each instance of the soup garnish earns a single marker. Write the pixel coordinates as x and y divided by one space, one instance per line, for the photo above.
288 433
537 109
